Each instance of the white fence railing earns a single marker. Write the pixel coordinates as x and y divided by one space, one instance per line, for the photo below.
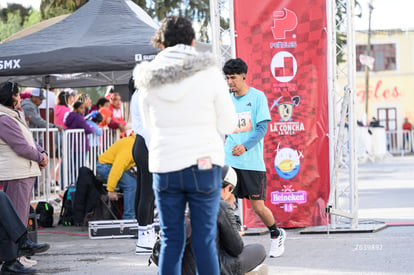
67 153
400 142
375 143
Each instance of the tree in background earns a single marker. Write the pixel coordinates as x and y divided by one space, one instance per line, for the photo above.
15 17
53 8
196 10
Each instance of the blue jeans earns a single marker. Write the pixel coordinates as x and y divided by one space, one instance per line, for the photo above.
128 184
201 189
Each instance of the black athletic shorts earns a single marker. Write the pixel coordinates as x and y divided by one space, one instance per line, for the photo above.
250 184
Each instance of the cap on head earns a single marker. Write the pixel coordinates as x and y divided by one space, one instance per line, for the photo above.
37 92
228 176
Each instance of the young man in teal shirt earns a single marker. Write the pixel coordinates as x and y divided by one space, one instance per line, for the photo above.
244 148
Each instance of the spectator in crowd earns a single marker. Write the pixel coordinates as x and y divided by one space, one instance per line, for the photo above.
77 146
25 94
93 119
51 99
144 197
20 156
72 95
114 165
14 242
235 257
407 136
102 105
107 118
116 108
30 108
62 108
101 102
76 120
86 100
187 127
244 148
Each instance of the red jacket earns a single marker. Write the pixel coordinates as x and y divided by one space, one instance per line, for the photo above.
407 126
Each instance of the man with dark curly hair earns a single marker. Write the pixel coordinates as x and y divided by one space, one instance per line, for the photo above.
244 148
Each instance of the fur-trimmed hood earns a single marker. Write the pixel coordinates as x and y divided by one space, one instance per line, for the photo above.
171 66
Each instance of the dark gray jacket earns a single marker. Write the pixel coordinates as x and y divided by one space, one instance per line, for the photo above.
31 111
229 242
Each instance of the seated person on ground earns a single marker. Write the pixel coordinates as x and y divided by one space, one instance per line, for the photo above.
114 165
234 256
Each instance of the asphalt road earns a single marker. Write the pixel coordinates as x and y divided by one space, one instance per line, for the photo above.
386 192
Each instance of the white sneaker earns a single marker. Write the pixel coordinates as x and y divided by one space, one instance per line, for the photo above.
152 235
142 250
277 246
27 262
145 239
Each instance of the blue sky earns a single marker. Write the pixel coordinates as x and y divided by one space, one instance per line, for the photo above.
387 14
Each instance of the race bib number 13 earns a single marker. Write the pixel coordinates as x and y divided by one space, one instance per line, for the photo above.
244 122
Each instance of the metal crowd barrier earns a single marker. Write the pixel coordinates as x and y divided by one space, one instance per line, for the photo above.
400 141
67 153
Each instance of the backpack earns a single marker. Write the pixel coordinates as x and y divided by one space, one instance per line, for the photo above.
44 214
87 196
66 212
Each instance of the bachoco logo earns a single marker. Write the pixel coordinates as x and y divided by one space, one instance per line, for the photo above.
283 21
10 64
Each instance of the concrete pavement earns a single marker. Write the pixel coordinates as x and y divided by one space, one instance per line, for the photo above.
386 192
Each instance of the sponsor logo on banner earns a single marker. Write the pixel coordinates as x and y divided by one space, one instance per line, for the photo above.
139 57
288 197
284 21
285 109
283 66
287 163
10 64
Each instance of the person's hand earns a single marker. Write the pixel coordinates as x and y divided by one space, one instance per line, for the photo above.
238 150
44 162
122 127
113 196
60 127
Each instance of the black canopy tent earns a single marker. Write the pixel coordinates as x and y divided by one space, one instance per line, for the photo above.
97 45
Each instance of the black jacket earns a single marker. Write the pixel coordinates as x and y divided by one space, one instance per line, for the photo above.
229 242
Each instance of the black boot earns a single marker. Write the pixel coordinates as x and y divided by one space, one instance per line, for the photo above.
15 267
28 248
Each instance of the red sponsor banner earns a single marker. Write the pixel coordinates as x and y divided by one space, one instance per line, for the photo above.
284 45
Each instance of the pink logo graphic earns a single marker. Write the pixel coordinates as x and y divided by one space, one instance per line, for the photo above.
283 21
288 198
